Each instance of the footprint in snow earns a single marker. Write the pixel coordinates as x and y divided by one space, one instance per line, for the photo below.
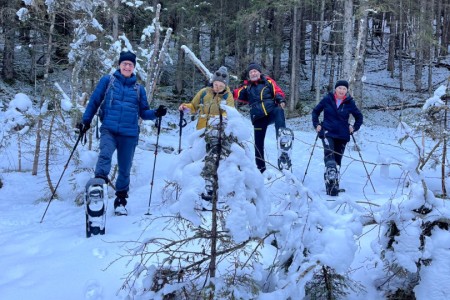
93 290
98 252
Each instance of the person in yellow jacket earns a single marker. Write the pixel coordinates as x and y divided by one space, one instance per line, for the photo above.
207 101
207 104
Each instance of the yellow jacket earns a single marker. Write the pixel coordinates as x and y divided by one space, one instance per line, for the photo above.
207 104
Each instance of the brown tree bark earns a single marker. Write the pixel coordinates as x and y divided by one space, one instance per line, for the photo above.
392 24
10 27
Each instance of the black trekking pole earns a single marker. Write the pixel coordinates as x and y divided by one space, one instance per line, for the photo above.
360 156
65 167
312 151
181 124
154 165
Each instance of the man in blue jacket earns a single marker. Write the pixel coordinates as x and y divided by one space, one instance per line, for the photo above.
335 129
121 101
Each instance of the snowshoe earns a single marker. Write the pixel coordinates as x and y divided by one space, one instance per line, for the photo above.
331 178
96 197
285 139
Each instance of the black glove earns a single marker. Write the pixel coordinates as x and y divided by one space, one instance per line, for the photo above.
161 111
83 127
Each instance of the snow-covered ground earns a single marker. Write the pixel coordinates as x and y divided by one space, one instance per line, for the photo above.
55 260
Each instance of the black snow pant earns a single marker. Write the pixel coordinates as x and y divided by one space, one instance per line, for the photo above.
276 117
333 150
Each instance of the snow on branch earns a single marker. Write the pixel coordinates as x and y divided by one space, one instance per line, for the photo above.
197 62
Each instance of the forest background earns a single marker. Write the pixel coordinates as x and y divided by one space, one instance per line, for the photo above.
56 51
305 45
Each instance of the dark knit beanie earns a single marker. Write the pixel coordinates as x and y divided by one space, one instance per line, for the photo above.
221 75
341 83
127 55
254 66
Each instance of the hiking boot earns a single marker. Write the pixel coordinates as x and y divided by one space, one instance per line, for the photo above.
207 196
120 206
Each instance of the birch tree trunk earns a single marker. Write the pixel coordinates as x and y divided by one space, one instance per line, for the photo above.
360 54
157 71
151 66
347 55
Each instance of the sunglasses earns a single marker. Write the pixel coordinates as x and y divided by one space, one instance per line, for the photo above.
221 74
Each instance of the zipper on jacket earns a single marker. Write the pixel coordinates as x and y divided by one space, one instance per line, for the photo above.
262 102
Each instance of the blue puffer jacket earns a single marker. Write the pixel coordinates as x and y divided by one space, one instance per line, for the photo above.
120 111
335 119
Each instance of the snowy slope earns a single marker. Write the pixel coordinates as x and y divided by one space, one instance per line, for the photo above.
54 259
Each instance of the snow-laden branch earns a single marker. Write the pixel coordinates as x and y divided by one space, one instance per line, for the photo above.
197 62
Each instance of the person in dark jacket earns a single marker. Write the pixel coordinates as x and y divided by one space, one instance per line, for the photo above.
121 101
335 130
267 103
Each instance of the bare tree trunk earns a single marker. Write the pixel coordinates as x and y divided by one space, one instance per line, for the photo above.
19 151
179 85
347 56
162 55
333 72
37 149
314 51
419 51
438 33
445 39
360 54
8 49
151 66
115 20
32 76
278 43
322 12
400 50
444 142
444 149
393 31
429 48
47 155
294 60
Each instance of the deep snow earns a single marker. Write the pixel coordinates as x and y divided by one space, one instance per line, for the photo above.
54 259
